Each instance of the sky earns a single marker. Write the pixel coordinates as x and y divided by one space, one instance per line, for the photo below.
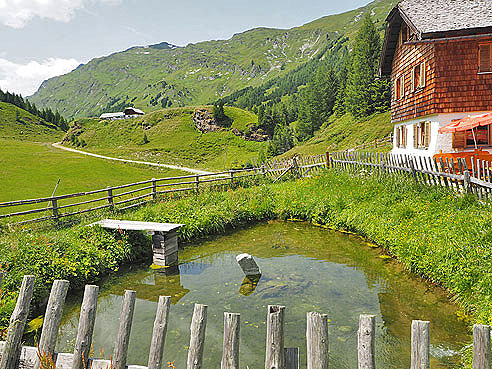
40 39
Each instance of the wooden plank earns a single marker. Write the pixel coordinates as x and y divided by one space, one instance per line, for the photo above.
12 350
365 342
197 337
230 351
52 319
86 328
443 170
317 341
159 333
291 358
137 226
124 329
481 347
275 353
420 358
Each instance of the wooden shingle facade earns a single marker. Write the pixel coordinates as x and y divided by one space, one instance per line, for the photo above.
439 56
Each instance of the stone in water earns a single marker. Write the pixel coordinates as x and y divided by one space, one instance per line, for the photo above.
248 264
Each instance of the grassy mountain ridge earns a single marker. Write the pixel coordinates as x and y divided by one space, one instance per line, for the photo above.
153 78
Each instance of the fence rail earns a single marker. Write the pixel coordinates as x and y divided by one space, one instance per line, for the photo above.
378 142
451 173
14 355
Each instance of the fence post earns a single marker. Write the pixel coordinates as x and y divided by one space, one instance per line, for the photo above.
197 182
291 358
275 353
412 168
197 338
467 181
52 319
231 174
54 205
481 347
327 160
365 341
123 336
159 333
11 352
154 189
317 340
110 198
420 345
230 353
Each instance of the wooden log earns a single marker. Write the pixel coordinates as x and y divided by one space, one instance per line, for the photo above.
230 352
12 350
317 341
275 353
197 337
291 358
86 328
52 319
420 345
481 347
124 329
365 342
159 333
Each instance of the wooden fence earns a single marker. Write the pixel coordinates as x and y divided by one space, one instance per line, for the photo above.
376 143
14 355
118 198
451 173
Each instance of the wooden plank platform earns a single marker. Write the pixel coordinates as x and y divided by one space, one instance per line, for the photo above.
131 225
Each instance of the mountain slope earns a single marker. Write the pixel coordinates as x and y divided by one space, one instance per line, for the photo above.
163 75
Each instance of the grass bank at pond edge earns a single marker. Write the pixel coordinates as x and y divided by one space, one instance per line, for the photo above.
435 233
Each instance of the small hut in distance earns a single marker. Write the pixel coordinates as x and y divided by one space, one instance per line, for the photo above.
126 114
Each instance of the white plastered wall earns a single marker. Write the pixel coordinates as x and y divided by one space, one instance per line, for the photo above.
438 142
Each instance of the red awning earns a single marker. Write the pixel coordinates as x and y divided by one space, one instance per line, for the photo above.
468 123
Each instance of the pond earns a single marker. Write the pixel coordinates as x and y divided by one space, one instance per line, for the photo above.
304 268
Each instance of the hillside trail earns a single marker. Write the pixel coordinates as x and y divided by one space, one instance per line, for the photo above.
184 169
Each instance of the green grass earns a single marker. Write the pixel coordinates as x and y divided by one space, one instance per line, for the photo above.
241 119
173 139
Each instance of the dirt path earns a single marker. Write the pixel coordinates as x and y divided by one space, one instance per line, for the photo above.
184 169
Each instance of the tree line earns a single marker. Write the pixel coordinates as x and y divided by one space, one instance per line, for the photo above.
335 82
46 114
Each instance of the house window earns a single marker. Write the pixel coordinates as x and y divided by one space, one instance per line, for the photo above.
480 134
421 135
399 88
404 33
401 137
418 76
485 58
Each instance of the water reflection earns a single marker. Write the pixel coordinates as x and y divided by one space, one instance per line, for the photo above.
249 284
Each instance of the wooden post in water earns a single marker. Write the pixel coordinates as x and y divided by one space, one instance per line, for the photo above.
12 350
275 353
230 353
52 319
481 347
365 342
317 340
123 336
197 338
86 328
420 345
159 333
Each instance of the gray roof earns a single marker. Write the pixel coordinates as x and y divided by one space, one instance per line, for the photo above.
437 16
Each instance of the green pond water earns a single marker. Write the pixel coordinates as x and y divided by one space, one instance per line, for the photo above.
304 268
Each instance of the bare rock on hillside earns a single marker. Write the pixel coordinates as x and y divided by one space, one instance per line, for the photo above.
204 121
253 134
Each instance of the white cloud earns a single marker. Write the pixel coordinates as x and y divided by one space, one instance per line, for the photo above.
17 13
26 78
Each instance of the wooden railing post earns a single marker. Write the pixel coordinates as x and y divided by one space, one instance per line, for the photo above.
197 337
197 182
52 319
159 333
467 181
420 345
481 347
154 189
328 160
275 353
123 336
86 328
291 358
12 350
54 205
110 198
317 340
231 174
365 342
230 352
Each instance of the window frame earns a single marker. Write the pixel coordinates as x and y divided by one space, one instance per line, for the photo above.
480 44
422 80
488 144
420 139
399 87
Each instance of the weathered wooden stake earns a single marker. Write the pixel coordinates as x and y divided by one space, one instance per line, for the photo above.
467 181
197 338
110 198
230 353
481 347
154 189
365 342
123 337
11 353
317 341
159 333
275 353
86 328
52 319
54 205
420 345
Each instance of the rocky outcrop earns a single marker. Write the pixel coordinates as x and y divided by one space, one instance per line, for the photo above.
253 134
204 121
